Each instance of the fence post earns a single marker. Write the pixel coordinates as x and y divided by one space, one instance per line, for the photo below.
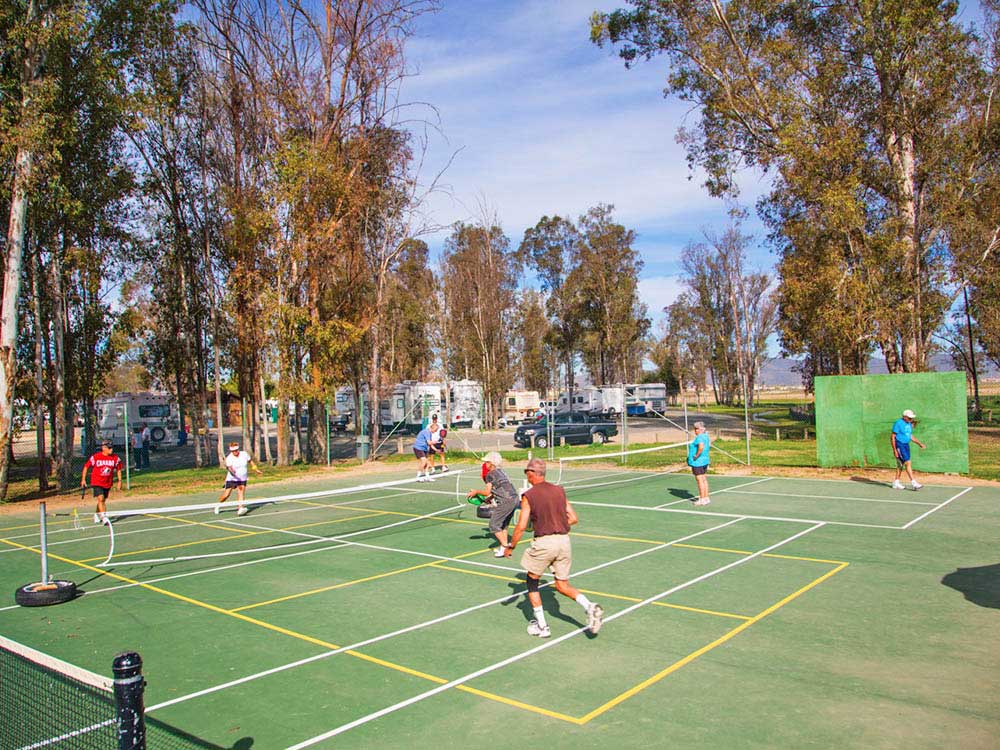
777 434
399 446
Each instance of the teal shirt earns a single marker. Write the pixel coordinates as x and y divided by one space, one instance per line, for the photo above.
702 460
903 431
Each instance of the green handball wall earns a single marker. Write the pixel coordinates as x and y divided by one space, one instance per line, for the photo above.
855 414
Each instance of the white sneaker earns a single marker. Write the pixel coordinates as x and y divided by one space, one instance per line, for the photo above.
499 552
535 629
916 485
218 508
444 468
595 618
241 511
702 501
101 518
428 478
897 485
97 518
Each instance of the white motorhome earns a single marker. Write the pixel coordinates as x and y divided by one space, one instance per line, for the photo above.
652 395
344 403
156 410
466 402
587 399
411 401
520 405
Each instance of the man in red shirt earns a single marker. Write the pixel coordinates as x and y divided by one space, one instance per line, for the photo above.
104 463
551 515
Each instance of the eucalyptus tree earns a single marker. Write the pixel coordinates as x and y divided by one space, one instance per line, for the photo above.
66 78
550 249
479 275
855 110
603 287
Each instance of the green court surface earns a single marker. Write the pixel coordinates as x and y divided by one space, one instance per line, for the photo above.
787 613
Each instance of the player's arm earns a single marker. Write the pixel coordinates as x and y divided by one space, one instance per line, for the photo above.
571 517
701 447
895 450
119 470
485 491
255 466
83 476
522 525
918 442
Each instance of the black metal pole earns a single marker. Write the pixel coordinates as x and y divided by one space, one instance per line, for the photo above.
129 687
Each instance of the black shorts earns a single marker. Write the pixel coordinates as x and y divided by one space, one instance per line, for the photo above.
438 447
699 470
419 453
233 483
102 492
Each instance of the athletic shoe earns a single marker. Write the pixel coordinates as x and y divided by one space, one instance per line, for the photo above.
97 518
218 508
595 618
429 478
242 511
535 629
702 501
444 468
499 552
101 518
897 485
916 485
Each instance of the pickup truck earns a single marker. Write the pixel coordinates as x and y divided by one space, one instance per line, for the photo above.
573 428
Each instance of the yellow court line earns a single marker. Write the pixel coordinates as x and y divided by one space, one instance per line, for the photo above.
704 649
300 636
345 584
622 597
178 519
520 704
241 534
766 554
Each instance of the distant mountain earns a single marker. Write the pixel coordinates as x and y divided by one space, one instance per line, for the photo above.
779 372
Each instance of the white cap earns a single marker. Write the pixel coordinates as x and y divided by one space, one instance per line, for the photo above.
909 414
493 458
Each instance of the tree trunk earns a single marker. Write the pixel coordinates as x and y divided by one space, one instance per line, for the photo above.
265 433
39 323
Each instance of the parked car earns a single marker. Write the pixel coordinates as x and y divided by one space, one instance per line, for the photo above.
572 428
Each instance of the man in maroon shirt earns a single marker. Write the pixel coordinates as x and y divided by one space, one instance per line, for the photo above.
104 463
551 515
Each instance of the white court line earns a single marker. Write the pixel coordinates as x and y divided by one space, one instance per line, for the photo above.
832 497
734 515
676 502
548 644
745 484
936 508
418 626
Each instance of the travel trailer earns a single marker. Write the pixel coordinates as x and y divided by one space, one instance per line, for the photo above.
410 403
520 405
156 410
617 399
652 395
588 400
466 403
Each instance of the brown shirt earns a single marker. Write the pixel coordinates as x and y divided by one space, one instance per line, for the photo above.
548 509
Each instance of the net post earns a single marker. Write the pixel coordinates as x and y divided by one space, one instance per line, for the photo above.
129 688
43 541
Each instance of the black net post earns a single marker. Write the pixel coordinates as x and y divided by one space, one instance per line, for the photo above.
129 686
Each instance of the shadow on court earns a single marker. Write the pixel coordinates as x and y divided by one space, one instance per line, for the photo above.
978 585
168 737
868 480
682 494
551 601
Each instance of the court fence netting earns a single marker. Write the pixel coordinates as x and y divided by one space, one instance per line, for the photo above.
47 702
670 457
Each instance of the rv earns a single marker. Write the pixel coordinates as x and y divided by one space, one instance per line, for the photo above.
652 395
466 403
344 402
409 405
158 411
616 399
587 399
520 405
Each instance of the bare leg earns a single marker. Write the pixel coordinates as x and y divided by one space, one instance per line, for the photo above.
702 485
225 494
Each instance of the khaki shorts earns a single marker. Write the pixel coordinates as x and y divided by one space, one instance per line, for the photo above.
549 551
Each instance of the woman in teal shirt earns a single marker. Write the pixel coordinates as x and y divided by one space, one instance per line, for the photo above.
698 460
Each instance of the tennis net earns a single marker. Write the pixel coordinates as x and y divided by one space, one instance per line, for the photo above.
46 702
275 525
587 466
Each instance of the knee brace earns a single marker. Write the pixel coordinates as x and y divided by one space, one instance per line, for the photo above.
532 585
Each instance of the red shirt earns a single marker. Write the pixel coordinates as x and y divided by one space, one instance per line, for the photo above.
104 468
548 509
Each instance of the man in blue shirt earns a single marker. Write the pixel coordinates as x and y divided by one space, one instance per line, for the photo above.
902 436
698 460
422 450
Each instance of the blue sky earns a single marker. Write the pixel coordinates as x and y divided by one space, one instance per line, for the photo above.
542 122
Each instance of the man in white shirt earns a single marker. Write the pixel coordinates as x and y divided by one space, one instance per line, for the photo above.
238 464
